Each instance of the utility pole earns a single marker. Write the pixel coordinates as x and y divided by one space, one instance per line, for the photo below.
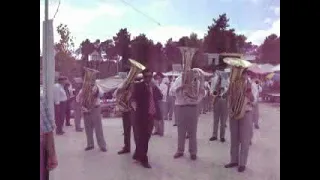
48 63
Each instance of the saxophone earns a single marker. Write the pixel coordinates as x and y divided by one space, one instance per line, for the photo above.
216 90
237 99
88 96
123 93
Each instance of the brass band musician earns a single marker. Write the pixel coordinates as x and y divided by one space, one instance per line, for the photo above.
240 104
220 107
89 97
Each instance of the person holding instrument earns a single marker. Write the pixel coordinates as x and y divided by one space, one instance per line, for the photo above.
220 108
240 105
92 117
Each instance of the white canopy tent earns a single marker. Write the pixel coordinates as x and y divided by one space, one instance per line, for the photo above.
266 68
276 68
110 83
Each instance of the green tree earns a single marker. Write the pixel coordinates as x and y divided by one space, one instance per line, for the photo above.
109 48
141 48
65 62
269 51
86 49
65 43
220 38
122 47
172 54
156 59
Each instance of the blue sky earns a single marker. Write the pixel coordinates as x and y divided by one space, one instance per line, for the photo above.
101 19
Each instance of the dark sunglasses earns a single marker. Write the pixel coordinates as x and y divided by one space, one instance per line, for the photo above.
147 76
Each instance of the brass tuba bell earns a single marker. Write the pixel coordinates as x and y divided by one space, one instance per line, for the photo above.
123 92
89 80
238 85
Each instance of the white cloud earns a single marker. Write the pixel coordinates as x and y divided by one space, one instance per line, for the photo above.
257 37
77 18
268 21
276 10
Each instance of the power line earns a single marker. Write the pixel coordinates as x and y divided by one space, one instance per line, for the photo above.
57 9
142 13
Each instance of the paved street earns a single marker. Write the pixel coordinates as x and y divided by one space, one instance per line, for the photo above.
263 162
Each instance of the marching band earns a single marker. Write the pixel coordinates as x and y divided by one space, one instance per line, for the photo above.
145 105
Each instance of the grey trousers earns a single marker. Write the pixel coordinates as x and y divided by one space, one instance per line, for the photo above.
77 115
220 116
175 114
170 107
255 113
187 121
60 115
241 132
92 122
159 123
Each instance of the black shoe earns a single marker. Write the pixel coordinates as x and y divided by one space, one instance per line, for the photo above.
146 165
222 140
103 149
177 155
241 168
174 124
68 125
155 133
60 133
170 119
213 138
257 126
193 157
231 165
79 130
135 157
89 148
124 151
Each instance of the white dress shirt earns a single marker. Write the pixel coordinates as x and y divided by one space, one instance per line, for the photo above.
59 94
163 89
256 89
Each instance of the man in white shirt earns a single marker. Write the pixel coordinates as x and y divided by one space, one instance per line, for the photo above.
170 99
186 113
92 120
256 90
60 104
220 107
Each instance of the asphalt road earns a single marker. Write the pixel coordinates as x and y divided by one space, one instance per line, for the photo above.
263 162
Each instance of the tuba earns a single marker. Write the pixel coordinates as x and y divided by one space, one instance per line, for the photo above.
237 99
88 98
191 78
123 93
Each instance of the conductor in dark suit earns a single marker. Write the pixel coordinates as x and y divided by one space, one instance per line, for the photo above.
144 102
